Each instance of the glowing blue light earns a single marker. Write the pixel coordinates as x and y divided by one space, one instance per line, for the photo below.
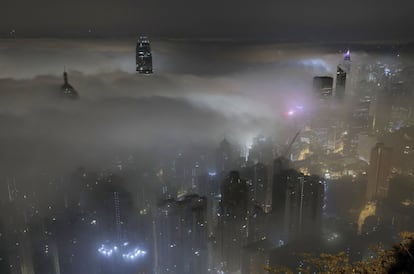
212 173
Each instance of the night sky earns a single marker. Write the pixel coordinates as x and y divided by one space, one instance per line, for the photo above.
297 20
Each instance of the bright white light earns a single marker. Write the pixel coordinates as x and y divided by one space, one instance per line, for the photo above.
133 254
124 251
212 173
105 251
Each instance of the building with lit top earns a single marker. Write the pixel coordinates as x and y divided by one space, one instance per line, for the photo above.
341 76
143 55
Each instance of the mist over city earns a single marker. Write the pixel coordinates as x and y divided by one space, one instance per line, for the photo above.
145 138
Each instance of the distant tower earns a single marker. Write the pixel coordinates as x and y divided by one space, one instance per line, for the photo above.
224 157
347 56
379 171
67 90
341 75
143 55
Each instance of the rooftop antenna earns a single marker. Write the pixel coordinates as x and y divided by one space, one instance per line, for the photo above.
65 75
347 56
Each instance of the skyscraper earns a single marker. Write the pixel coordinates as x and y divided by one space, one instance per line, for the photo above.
257 176
341 74
181 235
232 227
322 86
224 157
340 83
297 201
68 90
379 171
143 55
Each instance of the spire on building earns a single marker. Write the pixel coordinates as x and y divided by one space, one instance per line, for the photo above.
67 89
65 76
347 56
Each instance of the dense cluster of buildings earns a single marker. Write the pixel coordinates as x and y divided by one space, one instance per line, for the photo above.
341 184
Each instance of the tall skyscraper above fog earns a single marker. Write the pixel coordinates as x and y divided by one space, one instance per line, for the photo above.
379 171
67 89
143 55
341 74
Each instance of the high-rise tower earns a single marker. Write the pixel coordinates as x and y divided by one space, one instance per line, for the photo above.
143 55
67 89
342 71
379 171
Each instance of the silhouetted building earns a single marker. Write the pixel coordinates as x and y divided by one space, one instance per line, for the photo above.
224 157
67 89
235 196
116 210
181 235
261 150
233 221
400 203
322 86
143 55
257 176
298 201
379 171
340 83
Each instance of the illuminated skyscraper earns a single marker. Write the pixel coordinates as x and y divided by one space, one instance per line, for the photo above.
379 171
341 75
143 55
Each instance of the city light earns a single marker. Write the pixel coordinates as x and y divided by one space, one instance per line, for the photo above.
124 251
212 173
232 157
133 254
